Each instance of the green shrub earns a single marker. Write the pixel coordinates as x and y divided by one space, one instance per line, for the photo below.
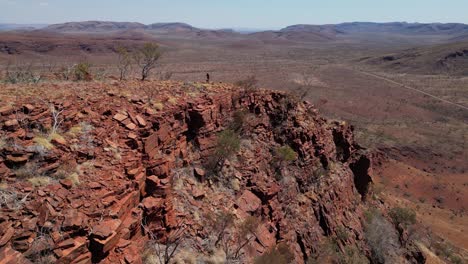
228 143
403 216
285 154
82 72
238 120
146 58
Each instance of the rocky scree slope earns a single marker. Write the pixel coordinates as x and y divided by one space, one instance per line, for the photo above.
120 174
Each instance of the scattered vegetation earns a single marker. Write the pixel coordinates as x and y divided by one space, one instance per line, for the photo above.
227 144
162 251
151 92
82 72
232 238
146 58
124 62
238 120
282 157
305 82
68 170
10 199
447 251
43 142
158 106
65 72
21 74
29 170
39 181
248 84
382 238
404 216
285 154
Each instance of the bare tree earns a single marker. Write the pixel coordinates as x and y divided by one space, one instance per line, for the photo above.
124 62
56 117
65 72
233 238
21 73
249 84
56 113
306 82
151 92
146 58
165 249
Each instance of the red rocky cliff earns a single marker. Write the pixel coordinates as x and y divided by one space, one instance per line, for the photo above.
122 173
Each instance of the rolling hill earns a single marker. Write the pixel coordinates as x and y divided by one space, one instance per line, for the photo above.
445 58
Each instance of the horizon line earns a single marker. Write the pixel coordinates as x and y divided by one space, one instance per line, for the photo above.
233 27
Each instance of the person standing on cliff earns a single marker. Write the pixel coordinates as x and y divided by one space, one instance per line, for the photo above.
207 78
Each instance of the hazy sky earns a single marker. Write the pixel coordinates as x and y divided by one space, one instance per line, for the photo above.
234 13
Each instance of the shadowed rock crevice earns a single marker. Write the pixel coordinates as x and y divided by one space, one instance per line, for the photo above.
362 179
194 122
323 221
302 247
342 146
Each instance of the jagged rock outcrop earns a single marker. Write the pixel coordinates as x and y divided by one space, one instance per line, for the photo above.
121 173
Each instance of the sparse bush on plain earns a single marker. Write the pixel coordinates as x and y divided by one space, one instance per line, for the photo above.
65 73
146 58
21 74
124 62
82 72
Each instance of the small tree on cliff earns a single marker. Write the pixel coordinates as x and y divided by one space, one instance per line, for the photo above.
227 144
147 57
282 157
248 84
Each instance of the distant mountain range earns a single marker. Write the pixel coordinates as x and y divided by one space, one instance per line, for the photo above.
327 29
8 27
429 33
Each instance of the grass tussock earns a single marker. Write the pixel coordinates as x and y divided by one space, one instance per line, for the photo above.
39 181
43 142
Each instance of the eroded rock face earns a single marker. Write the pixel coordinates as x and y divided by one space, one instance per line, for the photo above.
142 173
